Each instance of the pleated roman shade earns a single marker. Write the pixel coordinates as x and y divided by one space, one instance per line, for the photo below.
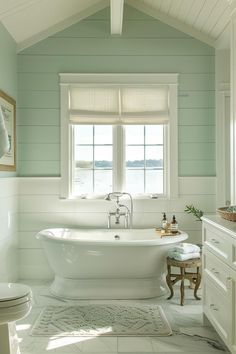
119 104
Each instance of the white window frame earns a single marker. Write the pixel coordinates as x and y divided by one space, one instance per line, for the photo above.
171 131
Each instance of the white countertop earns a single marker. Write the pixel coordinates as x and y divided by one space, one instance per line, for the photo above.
218 221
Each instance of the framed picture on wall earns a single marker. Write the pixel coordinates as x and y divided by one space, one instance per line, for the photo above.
8 106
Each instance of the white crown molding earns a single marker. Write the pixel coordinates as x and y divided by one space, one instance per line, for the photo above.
62 25
116 9
179 25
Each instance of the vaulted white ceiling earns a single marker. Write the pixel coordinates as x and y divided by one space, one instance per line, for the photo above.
29 21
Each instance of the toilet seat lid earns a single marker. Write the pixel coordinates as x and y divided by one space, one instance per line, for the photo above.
12 291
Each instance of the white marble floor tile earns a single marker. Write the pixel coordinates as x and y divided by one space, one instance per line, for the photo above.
50 345
184 343
189 352
200 332
55 352
186 321
69 344
134 344
98 344
122 302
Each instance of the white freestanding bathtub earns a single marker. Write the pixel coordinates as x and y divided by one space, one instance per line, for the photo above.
107 264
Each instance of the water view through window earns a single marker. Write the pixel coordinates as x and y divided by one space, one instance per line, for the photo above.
144 158
93 159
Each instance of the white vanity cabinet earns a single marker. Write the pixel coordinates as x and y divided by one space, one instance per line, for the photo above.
219 276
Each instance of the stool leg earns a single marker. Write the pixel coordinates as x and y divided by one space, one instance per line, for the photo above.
198 281
169 282
182 287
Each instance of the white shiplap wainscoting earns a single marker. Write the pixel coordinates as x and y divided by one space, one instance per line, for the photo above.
40 207
8 229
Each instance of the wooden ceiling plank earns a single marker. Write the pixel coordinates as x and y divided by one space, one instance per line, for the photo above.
179 25
194 11
155 3
221 24
8 9
165 5
61 25
184 9
214 17
174 8
204 14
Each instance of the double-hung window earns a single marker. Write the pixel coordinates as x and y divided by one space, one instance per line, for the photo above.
119 133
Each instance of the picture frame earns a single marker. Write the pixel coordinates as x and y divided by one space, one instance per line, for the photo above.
8 105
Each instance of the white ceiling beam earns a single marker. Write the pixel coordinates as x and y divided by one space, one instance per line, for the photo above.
62 25
171 21
117 9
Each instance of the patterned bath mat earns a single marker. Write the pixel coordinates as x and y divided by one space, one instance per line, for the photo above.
106 320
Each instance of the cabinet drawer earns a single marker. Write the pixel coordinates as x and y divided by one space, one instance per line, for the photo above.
216 270
218 243
217 308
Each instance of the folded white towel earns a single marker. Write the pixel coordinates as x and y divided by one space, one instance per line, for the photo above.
186 248
183 257
4 141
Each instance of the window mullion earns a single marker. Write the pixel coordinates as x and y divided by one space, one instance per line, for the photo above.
166 160
72 164
144 179
122 157
119 103
114 158
93 159
118 158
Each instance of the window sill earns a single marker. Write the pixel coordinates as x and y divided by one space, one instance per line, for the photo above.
102 197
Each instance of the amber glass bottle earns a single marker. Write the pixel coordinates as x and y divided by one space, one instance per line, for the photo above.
164 222
174 227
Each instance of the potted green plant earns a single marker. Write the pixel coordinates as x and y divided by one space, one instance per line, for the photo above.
190 209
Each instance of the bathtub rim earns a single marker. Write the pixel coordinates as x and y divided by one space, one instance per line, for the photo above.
47 235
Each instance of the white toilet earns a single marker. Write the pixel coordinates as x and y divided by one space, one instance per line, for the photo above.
15 303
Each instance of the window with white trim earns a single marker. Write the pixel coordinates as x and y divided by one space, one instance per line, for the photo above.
116 134
92 166
144 159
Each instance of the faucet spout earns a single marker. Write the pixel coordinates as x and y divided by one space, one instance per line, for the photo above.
121 210
117 216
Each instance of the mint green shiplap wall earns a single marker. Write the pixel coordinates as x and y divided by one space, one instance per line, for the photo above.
146 46
8 70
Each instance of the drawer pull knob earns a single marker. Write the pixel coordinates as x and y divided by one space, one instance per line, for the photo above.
229 282
213 240
213 307
215 271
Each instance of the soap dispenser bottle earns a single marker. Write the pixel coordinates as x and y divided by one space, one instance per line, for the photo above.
174 228
164 222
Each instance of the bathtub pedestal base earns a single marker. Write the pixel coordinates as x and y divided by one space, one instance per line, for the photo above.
108 288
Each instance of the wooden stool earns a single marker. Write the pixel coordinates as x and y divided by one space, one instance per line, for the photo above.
193 277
